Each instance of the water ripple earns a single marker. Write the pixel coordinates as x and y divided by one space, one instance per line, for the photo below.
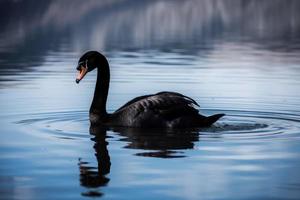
237 124
64 125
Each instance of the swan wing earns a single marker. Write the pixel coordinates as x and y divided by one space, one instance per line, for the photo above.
168 105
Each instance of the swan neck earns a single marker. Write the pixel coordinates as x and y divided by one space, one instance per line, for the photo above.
98 106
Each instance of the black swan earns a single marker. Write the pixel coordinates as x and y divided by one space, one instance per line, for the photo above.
161 110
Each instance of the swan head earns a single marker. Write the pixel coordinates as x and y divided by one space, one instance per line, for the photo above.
88 62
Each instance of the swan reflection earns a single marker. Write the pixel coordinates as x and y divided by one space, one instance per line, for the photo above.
158 142
95 177
153 143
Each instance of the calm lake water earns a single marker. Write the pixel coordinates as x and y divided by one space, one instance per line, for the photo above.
237 57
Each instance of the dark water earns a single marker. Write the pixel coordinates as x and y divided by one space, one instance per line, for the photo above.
241 58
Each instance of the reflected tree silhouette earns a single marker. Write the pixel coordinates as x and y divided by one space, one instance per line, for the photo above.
40 27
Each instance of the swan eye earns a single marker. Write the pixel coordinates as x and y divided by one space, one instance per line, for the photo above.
82 72
80 64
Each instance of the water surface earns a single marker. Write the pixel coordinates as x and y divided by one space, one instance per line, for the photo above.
217 52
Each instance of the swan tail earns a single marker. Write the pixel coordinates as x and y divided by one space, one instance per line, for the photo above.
212 119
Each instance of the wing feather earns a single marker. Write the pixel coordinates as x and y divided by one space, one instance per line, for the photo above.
168 105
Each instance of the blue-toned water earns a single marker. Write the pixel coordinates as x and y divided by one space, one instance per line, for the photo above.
237 57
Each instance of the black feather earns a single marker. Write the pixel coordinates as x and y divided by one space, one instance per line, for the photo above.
168 105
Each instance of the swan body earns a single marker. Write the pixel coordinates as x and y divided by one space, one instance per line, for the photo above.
161 110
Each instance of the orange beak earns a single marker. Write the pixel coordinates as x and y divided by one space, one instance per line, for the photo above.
81 73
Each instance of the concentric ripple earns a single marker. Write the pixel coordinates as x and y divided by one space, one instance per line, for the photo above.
236 124
255 125
64 125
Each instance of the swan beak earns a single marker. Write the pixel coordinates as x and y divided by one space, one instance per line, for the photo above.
81 73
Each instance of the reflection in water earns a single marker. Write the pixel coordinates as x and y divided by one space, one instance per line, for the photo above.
187 26
128 23
94 177
154 143
157 142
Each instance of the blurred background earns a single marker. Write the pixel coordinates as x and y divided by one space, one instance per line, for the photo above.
239 57
128 24
230 33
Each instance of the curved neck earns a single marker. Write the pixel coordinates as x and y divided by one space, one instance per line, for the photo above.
98 106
